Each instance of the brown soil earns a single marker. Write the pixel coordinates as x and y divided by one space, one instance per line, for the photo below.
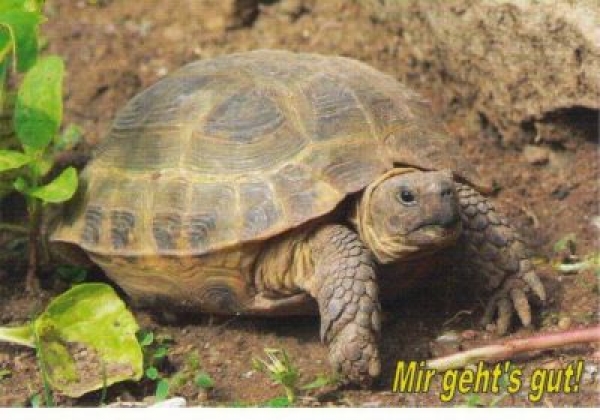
113 49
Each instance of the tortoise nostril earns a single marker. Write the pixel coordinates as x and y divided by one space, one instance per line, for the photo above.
450 220
446 192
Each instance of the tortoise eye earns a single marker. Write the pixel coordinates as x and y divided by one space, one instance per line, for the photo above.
406 197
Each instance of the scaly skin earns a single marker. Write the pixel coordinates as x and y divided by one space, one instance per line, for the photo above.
347 294
494 251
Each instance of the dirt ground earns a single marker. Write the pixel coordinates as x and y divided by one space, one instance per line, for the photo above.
113 49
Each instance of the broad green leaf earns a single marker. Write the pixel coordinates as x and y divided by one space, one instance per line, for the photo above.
58 190
38 111
13 5
11 159
85 340
22 28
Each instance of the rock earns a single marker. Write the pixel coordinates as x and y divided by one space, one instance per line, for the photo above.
527 68
536 155
233 14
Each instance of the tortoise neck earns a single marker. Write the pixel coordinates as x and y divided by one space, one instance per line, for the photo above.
386 248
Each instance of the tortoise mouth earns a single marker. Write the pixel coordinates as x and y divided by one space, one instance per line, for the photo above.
434 234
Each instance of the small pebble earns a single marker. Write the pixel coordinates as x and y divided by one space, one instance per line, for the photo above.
564 322
536 155
590 372
596 222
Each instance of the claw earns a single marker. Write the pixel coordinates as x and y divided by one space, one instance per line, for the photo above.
521 304
504 315
536 285
490 309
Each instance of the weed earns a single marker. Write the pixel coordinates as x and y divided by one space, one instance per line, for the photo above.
155 351
474 400
281 371
4 373
28 155
204 381
277 402
191 372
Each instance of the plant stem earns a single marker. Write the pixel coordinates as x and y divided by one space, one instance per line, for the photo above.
290 394
22 335
32 283
10 227
515 346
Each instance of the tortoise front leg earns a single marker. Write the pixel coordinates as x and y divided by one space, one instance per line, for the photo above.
492 249
346 291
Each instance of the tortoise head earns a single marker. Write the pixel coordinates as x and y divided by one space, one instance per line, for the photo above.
406 213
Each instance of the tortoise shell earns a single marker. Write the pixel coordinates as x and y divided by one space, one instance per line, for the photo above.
244 147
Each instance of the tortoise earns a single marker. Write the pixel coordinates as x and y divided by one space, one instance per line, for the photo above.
277 183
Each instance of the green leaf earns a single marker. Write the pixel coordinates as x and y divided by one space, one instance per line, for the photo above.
162 390
4 373
22 335
204 381
33 5
40 164
565 242
6 45
3 74
279 402
320 382
160 353
69 138
36 401
152 373
87 340
71 274
11 159
13 5
60 189
22 29
145 338
38 111
21 185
